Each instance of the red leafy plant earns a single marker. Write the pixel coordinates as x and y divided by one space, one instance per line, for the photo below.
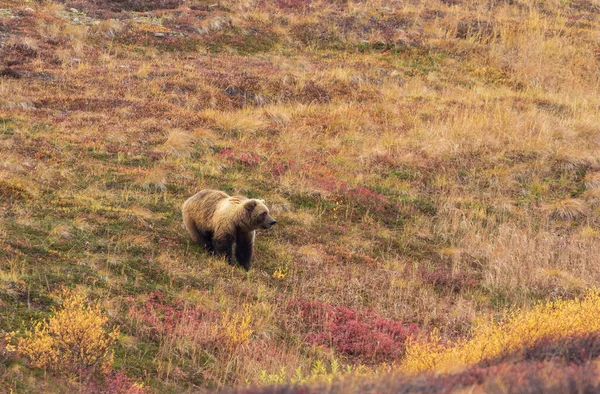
246 159
156 318
116 383
363 336
359 195
279 167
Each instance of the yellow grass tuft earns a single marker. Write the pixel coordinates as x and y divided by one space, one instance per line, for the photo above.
178 144
110 27
24 43
592 180
62 232
567 279
143 70
11 164
154 179
50 30
588 232
243 123
278 115
568 209
11 97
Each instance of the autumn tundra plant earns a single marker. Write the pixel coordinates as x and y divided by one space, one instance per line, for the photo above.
516 332
358 335
321 372
75 341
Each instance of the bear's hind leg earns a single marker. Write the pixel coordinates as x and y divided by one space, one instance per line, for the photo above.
224 245
202 238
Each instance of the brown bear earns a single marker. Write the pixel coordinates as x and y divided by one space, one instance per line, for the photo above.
222 223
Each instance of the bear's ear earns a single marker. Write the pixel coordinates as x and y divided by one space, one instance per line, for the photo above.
250 205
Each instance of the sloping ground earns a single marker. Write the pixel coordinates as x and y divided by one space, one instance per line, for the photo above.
523 377
552 348
429 163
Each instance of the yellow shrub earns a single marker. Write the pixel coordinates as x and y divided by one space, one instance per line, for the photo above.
236 326
281 272
73 341
516 331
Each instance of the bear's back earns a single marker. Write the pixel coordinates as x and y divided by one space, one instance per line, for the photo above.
202 205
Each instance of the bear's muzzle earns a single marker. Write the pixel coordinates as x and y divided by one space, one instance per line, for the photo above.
269 223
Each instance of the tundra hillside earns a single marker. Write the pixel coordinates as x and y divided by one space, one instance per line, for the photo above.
433 167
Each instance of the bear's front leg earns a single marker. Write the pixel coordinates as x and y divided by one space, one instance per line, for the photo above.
224 246
243 248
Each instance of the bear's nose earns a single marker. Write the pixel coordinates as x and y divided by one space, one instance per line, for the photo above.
273 222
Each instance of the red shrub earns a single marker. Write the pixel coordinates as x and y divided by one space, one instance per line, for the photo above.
331 185
364 336
246 159
119 383
312 92
359 195
280 167
156 317
227 154
249 159
368 197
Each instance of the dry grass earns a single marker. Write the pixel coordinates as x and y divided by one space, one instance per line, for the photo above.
430 163
178 144
11 97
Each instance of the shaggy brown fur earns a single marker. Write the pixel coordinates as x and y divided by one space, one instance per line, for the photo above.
222 223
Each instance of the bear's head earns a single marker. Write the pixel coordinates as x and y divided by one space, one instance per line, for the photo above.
259 214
